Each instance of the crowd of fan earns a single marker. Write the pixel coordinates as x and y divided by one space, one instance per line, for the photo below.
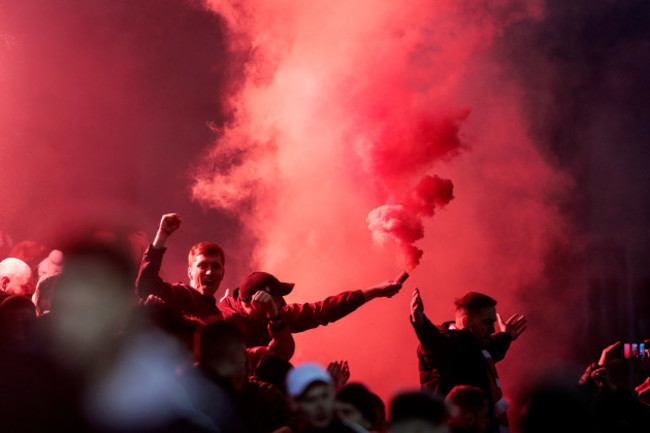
82 351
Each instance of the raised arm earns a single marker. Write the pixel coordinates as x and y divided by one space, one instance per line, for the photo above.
429 336
149 281
301 317
169 223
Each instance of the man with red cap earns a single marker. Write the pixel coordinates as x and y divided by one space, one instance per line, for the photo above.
244 306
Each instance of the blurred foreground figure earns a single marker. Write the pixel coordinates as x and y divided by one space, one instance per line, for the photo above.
356 404
87 374
470 412
52 264
17 320
15 278
464 352
312 391
418 412
245 306
228 397
42 297
205 271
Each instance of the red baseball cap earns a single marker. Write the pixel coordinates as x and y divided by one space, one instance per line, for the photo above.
263 281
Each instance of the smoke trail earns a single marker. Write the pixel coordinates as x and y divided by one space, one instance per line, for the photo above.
403 223
350 106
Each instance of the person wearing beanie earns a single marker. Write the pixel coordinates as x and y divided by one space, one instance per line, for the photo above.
52 264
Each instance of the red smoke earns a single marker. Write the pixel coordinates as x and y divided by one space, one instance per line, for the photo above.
402 223
349 106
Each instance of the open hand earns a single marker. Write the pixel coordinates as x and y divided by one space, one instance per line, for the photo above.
340 372
515 325
417 308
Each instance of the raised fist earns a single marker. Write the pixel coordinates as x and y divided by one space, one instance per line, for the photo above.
265 302
169 223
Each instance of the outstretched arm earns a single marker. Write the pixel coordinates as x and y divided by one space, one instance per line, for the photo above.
301 317
387 289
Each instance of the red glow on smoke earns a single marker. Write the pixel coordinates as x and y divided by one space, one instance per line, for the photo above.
402 223
357 113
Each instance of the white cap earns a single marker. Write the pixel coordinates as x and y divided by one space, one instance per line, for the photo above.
299 378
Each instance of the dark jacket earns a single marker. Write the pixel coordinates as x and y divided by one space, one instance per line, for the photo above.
336 426
299 317
449 357
180 297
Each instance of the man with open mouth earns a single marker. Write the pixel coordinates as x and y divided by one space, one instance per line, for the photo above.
205 271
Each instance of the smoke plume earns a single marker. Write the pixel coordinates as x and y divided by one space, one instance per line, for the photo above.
356 113
402 223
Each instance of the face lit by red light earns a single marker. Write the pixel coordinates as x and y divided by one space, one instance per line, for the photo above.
481 323
206 273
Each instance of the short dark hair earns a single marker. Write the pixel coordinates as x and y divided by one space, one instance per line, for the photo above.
207 249
418 405
212 340
362 399
468 398
474 302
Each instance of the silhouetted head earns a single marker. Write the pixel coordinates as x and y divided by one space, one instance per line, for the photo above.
219 347
476 312
470 409
273 369
358 405
418 412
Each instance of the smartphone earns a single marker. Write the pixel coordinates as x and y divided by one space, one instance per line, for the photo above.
634 350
